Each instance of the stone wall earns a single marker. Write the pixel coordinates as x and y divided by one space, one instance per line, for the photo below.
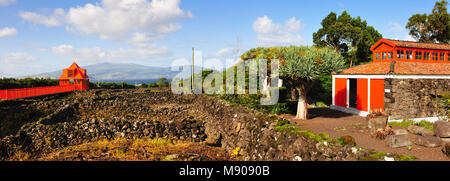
255 138
38 138
95 115
414 98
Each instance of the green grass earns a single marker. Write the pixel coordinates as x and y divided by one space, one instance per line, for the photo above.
405 158
406 123
320 104
284 124
380 156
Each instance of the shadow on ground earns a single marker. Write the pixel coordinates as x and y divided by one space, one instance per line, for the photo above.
326 113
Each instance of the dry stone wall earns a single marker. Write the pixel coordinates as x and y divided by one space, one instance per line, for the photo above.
94 115
414 98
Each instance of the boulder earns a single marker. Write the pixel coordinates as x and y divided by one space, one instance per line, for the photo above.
446 149
348 140
442 129
376 123
396 141
445 140
400 132
428 141
419 130
214 141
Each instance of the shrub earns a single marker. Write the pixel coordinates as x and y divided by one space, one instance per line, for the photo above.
321 90
11 83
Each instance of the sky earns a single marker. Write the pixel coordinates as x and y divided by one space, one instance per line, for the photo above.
38 36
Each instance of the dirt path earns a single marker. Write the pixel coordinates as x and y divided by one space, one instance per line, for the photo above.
337 124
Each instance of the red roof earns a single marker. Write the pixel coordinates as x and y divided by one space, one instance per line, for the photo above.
78 73
399 68
412 44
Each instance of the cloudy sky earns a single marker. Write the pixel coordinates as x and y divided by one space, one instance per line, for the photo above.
46 35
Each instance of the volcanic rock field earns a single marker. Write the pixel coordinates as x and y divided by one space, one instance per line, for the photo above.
44 125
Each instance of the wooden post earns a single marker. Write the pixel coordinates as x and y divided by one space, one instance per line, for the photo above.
192 79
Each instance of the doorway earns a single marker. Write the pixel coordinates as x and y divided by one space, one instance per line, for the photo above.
352 93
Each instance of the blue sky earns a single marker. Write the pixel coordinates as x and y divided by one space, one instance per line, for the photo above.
41 35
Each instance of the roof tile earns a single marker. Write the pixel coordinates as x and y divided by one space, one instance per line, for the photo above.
400 68
412 44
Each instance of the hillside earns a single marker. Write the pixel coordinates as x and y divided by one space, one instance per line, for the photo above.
115 71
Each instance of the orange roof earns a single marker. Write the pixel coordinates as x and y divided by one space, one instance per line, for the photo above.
399 68
412 44
78 73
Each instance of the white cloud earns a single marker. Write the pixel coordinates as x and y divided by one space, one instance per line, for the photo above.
6 2
5 32
112 19
57 18
409 38
269 33
138 22
19 64
396 30
141 40
224 52
97 54
16 58
16 63
395 27
35 46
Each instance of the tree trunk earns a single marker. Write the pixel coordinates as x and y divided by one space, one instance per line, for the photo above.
266 86
293 97
302 110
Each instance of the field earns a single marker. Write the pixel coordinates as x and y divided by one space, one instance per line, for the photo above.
154 124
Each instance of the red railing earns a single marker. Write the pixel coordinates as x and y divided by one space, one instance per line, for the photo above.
36 91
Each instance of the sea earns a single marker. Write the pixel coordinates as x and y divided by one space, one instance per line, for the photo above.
128 81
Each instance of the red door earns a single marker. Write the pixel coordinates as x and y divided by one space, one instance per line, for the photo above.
362 94
376 94
340 94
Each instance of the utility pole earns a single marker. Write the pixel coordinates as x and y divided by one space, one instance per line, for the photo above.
192 80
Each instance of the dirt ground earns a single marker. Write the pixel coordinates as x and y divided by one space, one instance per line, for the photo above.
337 124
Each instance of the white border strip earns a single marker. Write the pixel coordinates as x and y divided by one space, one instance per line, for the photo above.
429 119
333 91
348 93
368 94
349 110
394 76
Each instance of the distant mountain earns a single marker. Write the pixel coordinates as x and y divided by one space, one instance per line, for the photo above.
116 71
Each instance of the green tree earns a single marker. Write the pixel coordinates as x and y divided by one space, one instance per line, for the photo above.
301 66
351 37
432 28
162 82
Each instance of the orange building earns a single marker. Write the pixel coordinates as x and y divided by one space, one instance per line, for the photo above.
73 78
382 85
75 75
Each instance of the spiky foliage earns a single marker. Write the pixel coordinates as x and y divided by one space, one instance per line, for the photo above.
301 66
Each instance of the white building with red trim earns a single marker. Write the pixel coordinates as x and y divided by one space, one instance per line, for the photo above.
405 80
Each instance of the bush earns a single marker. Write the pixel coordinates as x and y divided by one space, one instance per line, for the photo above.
109 85
252 101
321 91
153 85
11 83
